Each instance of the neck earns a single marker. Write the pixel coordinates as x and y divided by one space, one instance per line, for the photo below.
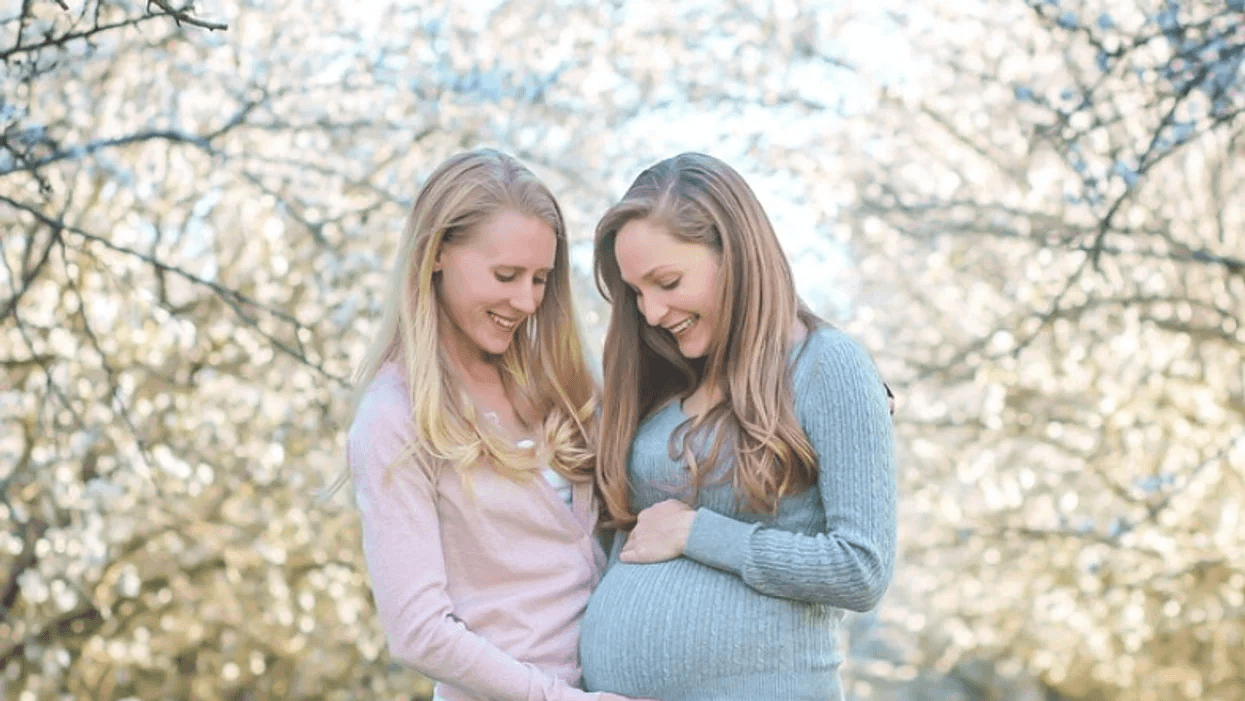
477 369
707 387
798 330
472 364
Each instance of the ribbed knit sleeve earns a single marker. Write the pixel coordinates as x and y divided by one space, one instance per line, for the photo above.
406 564
841 404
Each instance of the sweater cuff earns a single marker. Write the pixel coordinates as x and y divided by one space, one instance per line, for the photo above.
719 541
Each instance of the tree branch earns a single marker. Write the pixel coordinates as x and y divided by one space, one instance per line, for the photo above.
29 278
85 613
182 16
235 299
59 41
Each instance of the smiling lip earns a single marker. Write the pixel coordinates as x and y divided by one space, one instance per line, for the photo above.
504 322
682 325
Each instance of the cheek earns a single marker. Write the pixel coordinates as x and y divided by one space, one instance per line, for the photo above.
476 290
711 305
710 299
465 295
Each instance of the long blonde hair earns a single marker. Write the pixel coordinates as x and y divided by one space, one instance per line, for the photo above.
700 199
543 369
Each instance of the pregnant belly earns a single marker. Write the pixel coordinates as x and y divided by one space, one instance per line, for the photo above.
660 630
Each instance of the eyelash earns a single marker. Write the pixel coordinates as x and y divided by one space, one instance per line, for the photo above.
510 278
667 287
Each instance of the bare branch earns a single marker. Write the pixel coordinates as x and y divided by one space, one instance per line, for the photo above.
183 16
235 299
84 614
78 152
31 532
31 275
112 374
169 135
60 40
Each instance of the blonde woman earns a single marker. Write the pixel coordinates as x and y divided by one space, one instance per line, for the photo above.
471 445
745 450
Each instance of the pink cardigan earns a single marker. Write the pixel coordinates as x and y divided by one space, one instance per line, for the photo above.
482 590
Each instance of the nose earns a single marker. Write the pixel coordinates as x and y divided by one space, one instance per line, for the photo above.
653 310
526 299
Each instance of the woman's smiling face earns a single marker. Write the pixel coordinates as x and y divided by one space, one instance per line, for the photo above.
675 283
492 281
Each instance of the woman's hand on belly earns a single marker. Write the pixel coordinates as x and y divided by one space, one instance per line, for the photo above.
661 532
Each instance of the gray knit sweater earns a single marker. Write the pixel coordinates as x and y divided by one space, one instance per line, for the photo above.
753 608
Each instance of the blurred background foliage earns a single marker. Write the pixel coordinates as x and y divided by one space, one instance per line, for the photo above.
1024 210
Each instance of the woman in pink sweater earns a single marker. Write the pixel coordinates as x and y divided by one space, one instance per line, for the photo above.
471 445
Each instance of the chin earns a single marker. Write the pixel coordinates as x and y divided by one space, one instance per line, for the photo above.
491 345
694 351
496 350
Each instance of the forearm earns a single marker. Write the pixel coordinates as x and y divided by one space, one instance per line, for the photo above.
824 568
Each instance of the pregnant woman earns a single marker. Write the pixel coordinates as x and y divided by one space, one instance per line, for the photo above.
746 454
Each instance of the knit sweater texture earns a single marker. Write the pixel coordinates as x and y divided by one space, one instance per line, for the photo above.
753 607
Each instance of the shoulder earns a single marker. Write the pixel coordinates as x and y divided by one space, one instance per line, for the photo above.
836 382
833 363
385 407
827 348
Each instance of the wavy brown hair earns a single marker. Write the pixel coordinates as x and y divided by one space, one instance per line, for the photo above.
700 199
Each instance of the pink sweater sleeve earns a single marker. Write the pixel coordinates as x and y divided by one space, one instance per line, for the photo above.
402 545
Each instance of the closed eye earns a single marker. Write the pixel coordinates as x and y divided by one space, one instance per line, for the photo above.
670 285
501 277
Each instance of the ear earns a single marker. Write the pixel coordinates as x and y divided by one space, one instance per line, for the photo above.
436 262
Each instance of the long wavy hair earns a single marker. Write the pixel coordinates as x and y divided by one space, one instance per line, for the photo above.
543 369
700 199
